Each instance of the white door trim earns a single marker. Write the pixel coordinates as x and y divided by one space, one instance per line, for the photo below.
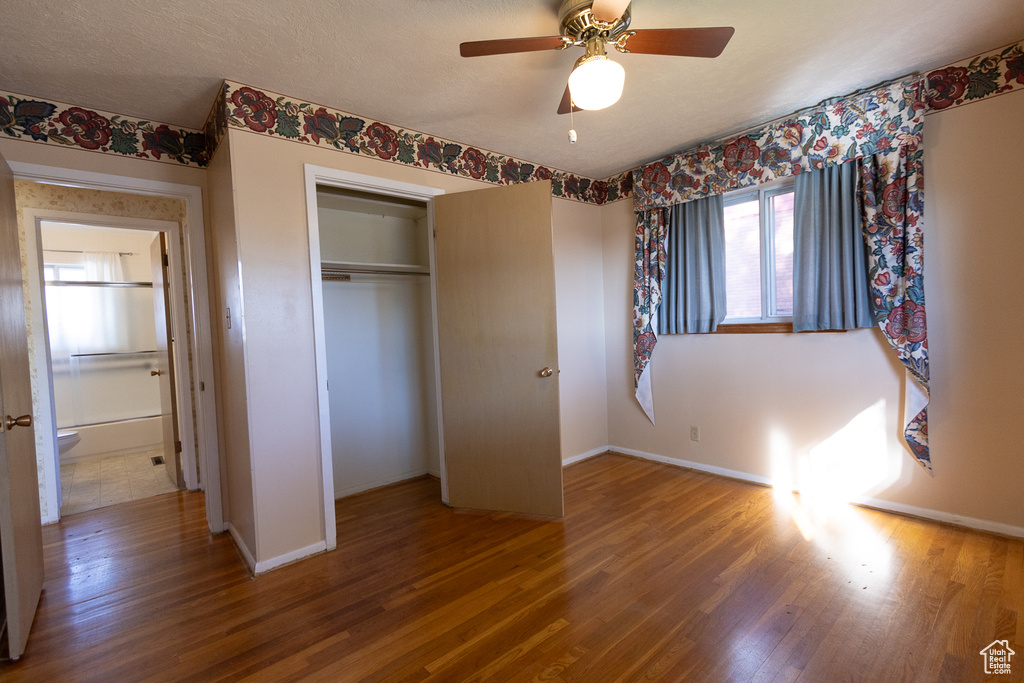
198 303
321 175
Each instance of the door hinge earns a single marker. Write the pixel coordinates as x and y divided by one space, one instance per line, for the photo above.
202 386
165 261
177 447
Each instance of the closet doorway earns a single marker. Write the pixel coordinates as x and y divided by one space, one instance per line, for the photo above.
378 327
494 393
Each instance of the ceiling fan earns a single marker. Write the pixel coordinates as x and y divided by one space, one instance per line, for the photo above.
596 81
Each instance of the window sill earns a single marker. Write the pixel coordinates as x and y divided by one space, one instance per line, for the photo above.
766 328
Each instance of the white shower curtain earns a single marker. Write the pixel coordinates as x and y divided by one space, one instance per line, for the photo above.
86 320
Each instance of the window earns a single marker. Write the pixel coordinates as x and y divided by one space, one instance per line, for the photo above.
759 255
63 272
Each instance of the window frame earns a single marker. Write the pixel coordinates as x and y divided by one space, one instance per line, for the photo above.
59 269
763 193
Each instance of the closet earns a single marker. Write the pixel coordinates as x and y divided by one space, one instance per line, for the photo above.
378 325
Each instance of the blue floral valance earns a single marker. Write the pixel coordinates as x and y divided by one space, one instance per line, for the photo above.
875 122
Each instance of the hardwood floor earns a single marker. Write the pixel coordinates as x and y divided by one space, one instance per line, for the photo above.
656 574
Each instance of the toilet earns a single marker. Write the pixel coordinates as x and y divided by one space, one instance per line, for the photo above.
66 441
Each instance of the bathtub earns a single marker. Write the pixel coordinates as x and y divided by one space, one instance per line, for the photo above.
110 438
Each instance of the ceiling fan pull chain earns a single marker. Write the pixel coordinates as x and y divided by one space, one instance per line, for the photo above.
572 127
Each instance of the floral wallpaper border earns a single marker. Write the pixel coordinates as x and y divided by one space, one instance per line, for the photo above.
21 117
268 113
99 131
986 75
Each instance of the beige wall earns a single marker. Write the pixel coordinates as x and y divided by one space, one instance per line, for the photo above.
824 410
974 222
579 302
229 360
269 199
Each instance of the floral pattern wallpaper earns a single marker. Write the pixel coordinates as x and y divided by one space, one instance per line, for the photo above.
268 113
96 131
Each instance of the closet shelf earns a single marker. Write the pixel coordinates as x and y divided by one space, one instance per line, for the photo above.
110 353
82 283
343 267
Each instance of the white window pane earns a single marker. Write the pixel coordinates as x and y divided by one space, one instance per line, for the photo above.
782 210
743 260
68 273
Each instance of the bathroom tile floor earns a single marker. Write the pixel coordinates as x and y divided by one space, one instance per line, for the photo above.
118 479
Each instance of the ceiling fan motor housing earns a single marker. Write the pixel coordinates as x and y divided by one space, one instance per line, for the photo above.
578 23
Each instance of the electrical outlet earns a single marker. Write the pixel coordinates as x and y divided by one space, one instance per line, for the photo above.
694 433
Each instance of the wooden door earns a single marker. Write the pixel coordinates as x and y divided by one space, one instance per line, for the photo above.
21 540
498 349
164 372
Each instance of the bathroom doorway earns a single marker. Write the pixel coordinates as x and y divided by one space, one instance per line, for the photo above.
110 347
88 198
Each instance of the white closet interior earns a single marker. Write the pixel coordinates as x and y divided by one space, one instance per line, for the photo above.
379 340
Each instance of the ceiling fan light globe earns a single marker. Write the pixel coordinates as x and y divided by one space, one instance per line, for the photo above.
596 83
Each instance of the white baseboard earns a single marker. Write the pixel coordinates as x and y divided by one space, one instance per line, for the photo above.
939 516
242 548
594 452
876 503
701 467
266 565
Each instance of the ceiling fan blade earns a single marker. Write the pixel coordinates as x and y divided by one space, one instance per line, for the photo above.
608 11
680 42
480 48
563 107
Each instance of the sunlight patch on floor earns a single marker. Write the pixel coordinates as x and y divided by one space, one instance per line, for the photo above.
816 487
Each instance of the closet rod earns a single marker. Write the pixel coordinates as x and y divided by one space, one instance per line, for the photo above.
79 251
326 273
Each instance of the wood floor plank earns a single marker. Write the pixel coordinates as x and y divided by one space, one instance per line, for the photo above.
655 574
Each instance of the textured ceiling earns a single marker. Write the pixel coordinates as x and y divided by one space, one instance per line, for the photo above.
398 61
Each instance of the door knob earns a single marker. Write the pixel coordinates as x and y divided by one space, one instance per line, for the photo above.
23 421
154 373
547 372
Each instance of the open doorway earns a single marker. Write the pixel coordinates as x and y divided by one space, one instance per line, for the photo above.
111 351
110 430
54 193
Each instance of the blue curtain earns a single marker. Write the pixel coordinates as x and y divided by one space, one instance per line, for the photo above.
693 292
830 288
